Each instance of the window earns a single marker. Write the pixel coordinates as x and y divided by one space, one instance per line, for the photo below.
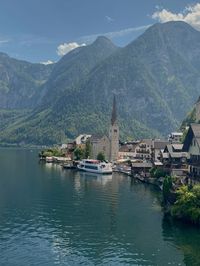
91 167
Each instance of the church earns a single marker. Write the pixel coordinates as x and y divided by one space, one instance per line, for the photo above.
108 145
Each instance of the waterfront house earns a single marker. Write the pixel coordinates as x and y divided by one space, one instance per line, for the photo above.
127 150
174 159
143 150
68 149
158 146
192 147
141 168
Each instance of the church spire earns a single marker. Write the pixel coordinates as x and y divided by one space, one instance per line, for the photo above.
114 112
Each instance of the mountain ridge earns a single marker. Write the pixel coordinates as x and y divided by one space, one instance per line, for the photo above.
150 77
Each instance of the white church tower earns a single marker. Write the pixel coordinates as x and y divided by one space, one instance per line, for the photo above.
114 134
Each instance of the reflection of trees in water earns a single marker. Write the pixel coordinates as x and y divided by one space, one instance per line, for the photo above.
185 237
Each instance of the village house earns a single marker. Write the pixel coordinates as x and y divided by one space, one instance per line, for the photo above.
82 139
143 150
147 149
141 168
192 147
158 146
175 137
127 150
174 159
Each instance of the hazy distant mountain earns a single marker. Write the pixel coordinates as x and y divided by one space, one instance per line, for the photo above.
20 82
156 79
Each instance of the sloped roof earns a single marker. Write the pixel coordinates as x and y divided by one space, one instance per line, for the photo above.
194 131
160 144
147 141
174 150
177 147
128 148
142 165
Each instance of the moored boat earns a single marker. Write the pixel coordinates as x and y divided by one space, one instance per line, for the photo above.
49 159
95 166
68 166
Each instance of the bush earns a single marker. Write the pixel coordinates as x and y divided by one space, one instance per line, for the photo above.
187 205
157 172
79 153
101 156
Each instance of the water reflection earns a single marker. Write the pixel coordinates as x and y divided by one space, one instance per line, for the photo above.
184 237
53 216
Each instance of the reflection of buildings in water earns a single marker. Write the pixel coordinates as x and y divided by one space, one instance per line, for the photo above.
52 166
77 183
103 180
56 169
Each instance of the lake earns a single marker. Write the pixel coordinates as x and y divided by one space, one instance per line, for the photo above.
50 216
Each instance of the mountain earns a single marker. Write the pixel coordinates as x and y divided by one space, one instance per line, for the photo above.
193 116
74 67
20 82
155 79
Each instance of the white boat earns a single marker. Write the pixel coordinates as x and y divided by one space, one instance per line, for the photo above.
95 166
49 159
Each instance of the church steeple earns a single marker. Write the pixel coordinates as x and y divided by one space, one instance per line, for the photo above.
114 112
114 134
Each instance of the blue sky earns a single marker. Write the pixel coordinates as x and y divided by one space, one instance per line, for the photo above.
42 30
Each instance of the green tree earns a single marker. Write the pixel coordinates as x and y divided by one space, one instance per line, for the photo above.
88 149
187 205
79 153
157 172
101 156
167 186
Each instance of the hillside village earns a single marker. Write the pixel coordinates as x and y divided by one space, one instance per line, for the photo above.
178 155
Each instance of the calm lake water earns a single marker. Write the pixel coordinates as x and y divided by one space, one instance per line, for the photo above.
50 216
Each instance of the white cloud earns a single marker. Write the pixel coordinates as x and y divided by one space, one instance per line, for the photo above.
4 41
190 15
114 34
65 48
124 32
48 62
109 19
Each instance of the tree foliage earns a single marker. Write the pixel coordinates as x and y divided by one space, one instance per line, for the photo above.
157 172
167 187
88 149
79 153
187 205
52 152
101 156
